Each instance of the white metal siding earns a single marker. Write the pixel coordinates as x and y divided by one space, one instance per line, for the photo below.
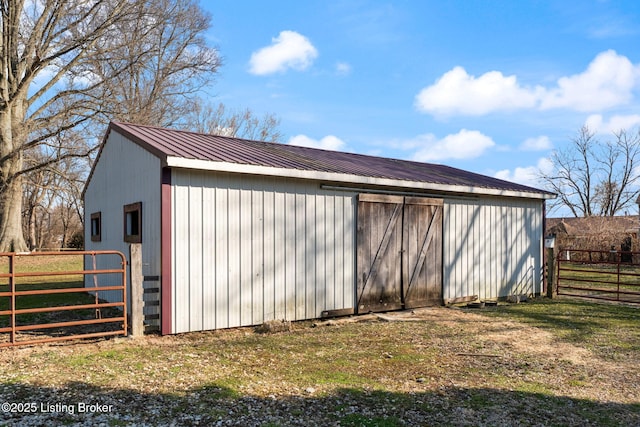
492 247
250 249
124 174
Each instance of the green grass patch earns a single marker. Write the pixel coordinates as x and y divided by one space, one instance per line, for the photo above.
218 391
48 264
534 388
44 264
592 275
610 330
50 301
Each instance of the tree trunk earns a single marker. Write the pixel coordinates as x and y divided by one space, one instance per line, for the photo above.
31 221
11 137
12 140
11 236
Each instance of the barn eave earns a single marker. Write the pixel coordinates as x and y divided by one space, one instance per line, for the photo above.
359 180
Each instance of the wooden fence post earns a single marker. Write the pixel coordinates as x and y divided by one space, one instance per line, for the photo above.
550 247
137 291
551 269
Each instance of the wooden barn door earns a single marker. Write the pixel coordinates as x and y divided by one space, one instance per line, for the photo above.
399 246
379 247
422 252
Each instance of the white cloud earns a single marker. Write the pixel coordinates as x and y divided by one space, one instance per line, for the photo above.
527 175
521 175
608 81
539 143
288 50
596 123
466 144
608 25
329 142
456 92
343 69
44 76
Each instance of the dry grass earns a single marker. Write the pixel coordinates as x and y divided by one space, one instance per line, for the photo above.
540 363
49 263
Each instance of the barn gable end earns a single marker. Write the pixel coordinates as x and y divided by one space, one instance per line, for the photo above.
125 174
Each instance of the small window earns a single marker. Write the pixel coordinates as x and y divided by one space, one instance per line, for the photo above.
133 223
96 227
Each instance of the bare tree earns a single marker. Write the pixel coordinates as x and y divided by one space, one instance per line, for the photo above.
592 177
219 120
35 204
52 197
165 62
66 63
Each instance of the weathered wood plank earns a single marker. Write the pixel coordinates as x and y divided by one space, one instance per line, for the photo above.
379 244
337 313
379 198
137 315
422 253
423 201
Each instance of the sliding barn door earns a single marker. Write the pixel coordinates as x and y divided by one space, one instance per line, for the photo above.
379 246
399 252
422 252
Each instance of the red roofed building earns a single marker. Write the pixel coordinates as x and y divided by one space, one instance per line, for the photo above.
239 232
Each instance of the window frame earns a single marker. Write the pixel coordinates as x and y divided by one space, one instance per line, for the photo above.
128 212
96 232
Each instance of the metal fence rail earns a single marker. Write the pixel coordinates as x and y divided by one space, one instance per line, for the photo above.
605 275
22 334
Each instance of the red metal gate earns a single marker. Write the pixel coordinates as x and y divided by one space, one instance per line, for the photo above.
19 302
605 275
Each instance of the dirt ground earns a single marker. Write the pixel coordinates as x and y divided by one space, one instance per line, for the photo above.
431 366
519 339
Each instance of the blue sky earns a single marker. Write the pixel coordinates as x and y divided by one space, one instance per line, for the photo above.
487 86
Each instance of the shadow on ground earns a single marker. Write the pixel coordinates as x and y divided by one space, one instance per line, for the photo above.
82 404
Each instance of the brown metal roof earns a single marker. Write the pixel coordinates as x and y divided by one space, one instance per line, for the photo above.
190 145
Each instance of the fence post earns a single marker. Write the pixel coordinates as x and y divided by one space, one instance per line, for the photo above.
551 263
12 302
137 315
549 245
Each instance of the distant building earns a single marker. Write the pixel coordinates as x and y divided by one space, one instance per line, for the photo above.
602 233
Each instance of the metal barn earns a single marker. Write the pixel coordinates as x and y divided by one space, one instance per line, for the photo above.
237 232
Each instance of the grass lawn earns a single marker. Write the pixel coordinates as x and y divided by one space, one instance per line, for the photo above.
605 281
594 274
542 363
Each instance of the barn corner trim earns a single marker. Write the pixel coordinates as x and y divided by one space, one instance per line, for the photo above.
166 254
